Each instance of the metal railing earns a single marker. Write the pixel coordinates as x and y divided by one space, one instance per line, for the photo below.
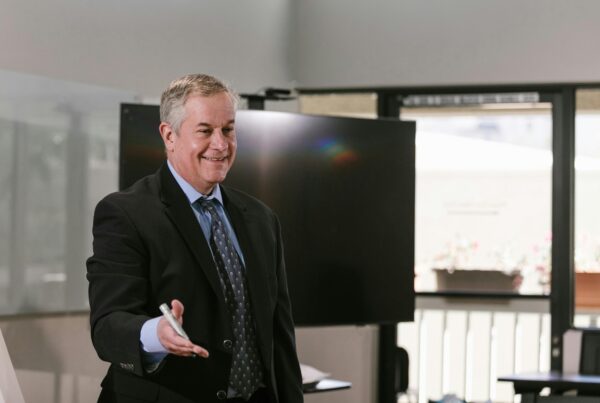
461 345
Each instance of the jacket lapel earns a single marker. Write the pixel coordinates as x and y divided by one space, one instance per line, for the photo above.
179 211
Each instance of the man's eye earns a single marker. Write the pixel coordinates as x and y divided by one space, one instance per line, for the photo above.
205 131
227 130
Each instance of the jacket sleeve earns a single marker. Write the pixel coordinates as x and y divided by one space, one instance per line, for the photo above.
118 287
285 358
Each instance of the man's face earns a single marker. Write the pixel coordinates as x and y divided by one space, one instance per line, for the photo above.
203 149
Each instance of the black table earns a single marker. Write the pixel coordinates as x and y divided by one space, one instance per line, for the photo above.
529 385
325 385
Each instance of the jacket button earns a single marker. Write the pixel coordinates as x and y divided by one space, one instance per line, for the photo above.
221 395
227 344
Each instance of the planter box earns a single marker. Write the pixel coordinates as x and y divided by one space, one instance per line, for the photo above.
587 290
476 280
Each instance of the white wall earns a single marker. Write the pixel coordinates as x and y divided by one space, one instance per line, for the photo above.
53 357
348 353
429 42
140 45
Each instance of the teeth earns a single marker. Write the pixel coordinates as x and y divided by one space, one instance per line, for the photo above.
214 159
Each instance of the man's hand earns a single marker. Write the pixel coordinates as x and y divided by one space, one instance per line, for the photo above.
174 343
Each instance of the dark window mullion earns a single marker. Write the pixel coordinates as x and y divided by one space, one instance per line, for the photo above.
562 296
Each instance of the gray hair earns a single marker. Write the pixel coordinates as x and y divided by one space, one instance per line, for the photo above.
177 93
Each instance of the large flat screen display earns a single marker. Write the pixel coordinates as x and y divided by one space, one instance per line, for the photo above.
344 191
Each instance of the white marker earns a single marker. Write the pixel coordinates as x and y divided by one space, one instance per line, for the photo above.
168 314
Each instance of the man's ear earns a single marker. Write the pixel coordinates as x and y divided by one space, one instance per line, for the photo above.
168 135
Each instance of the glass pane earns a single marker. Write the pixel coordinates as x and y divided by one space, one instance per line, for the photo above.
483 197
587 199
58 156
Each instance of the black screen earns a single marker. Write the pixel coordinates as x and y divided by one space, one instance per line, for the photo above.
344 191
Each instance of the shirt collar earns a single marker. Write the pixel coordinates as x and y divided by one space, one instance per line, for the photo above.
191 193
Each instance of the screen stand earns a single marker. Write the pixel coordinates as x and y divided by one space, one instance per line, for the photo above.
387 365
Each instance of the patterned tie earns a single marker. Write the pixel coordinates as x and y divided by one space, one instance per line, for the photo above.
246 371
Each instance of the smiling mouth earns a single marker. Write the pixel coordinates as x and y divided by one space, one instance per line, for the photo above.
215 158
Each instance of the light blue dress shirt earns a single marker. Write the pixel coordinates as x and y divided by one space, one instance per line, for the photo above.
153 351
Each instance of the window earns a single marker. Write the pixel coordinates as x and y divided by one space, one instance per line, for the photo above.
483 197
587 200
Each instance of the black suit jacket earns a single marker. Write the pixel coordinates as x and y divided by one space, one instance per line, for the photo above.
148 249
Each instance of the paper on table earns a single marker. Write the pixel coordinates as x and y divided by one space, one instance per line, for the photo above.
311 374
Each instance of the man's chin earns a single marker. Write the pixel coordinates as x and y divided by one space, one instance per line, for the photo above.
215 179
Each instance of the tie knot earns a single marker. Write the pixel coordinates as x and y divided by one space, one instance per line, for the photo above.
207 204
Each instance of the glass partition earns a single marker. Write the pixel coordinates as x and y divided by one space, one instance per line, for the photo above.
58 156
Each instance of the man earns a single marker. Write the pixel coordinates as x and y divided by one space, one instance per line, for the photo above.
179 237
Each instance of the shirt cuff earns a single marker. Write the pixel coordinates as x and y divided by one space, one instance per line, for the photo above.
149 337
152 351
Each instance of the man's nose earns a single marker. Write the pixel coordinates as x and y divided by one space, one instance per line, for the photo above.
218 140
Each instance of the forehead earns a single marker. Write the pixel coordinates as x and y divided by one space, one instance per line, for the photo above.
214 109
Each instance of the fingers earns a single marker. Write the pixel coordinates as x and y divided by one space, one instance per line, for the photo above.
199 351
175 344
177 309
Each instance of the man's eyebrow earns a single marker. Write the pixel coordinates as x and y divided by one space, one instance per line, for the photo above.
232 121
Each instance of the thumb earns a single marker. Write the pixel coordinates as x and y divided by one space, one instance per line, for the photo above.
177 309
